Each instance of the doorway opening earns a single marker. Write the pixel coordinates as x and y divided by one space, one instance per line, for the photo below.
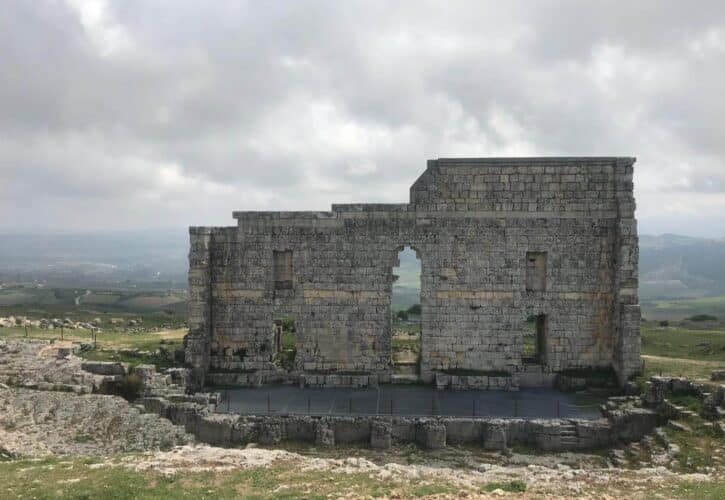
534 340
405 315
285 342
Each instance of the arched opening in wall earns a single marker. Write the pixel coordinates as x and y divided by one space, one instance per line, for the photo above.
406 316
285 342
534 340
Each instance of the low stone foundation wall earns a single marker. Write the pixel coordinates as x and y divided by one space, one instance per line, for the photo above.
381 432
711 394
485 382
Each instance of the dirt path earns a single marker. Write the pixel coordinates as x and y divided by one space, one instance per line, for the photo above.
172 334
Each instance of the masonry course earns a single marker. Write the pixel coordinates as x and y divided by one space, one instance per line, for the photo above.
480 227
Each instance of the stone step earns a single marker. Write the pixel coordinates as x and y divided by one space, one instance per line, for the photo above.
404 379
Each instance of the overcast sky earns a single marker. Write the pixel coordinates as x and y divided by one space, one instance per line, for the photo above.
130 114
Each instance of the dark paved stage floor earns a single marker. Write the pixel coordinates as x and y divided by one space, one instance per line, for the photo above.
409 401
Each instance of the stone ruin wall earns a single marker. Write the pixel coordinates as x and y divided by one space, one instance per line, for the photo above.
472 223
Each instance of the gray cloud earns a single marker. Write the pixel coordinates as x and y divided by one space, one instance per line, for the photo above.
135 114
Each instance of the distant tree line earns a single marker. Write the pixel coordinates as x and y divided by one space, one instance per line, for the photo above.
413 310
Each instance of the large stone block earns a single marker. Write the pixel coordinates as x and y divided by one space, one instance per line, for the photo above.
381 435
216 429
494 436
324 434
432 434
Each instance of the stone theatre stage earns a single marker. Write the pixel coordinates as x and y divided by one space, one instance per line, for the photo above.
501 241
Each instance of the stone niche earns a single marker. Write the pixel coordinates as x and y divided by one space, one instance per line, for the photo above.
500 240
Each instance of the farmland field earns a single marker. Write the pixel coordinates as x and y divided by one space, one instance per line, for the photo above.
150 302
34 301
678 309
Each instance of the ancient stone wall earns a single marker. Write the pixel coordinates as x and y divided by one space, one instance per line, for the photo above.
472 222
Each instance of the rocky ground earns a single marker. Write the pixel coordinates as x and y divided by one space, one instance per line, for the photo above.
273 472
552 478
34 363
38 423
38 420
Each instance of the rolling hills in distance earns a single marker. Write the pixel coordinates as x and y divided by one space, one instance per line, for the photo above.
679 275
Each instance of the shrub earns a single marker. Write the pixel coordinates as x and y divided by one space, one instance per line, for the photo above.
402 315
288 324
515 486
415 309
664 323
130 387
702 317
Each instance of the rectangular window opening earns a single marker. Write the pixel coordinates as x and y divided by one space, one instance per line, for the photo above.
534 339
282 269
535 271
285 342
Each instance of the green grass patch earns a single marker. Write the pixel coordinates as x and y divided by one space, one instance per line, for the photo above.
63 478
697 447
693 369
109 344
681 342
161 362
701 490
691 402
682 351
425 490
515 486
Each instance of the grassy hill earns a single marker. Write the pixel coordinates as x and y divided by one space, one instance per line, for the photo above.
673 266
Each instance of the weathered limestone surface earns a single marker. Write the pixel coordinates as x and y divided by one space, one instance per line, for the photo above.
472 223
34 422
